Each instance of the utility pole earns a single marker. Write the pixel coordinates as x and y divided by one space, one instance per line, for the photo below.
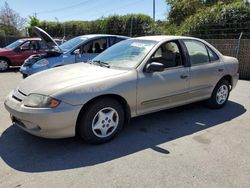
154 10
131 27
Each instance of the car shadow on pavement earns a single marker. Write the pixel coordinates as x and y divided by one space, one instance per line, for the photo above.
28 153
11 69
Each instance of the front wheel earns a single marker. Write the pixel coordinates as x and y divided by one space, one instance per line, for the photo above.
24 76
101 121
220 95
4 65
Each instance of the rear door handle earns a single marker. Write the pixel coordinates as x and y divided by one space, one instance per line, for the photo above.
220 70
183 76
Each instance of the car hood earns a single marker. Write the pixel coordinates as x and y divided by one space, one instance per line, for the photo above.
5 50
49 41
56 79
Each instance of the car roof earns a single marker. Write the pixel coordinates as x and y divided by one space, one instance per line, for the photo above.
101 35
33 38
162 38
159 38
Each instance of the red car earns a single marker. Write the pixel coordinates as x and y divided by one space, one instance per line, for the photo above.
15 53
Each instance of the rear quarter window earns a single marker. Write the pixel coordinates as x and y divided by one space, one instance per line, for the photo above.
212 55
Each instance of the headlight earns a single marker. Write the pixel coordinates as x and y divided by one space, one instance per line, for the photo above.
40 101
41 63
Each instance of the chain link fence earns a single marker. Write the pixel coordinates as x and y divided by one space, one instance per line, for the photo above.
229 47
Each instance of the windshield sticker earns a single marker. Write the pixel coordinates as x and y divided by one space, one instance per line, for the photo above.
137 44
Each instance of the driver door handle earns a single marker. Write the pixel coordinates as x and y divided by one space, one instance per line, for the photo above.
184 76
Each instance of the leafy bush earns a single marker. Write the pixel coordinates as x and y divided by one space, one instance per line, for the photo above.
9 30
218 21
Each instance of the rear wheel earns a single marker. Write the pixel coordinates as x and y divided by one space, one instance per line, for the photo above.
101 121
4 65
220 95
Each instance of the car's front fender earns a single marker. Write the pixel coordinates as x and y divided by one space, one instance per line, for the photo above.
123 85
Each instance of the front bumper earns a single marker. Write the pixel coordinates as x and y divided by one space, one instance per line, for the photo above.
43 122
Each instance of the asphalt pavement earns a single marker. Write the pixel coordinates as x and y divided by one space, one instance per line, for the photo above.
189 146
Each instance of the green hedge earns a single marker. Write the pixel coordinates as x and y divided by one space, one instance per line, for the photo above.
141 25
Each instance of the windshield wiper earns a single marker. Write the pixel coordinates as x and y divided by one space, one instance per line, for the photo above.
101 63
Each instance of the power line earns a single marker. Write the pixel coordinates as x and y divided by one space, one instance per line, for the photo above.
120 8
63 8
102 13
89 9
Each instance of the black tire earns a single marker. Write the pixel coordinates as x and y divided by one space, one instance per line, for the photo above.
24 76
213 101
6 66
89 115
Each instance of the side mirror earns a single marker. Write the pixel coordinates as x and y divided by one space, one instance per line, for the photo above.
77 52
154 67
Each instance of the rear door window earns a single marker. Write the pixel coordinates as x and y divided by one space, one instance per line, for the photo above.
197 52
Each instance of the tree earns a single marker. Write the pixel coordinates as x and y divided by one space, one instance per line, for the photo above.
130 25
219 21
34 21
10 20
182 9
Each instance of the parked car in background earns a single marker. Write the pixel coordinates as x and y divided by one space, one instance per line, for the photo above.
78 49
15 53
134 77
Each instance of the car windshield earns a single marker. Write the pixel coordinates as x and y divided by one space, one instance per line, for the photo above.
72 43
126 54
14 44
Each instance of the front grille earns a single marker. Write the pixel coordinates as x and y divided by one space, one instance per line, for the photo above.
20 100
18 95
22 93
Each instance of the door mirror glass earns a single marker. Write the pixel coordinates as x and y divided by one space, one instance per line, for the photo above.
154 67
